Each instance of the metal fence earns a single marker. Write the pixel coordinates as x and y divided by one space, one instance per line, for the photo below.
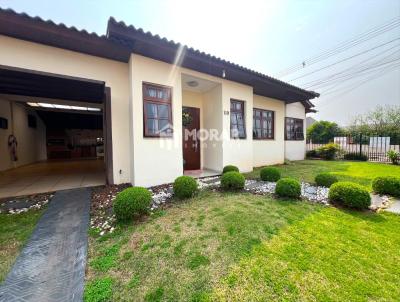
375 148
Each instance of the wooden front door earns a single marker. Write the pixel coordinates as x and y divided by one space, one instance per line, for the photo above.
191 143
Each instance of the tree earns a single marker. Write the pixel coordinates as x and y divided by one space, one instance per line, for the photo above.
323 132
381 121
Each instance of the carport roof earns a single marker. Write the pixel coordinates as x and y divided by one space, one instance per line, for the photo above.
19 81
121 40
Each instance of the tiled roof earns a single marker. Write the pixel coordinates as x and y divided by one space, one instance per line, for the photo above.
197 52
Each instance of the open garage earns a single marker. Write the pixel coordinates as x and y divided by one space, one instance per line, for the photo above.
53 132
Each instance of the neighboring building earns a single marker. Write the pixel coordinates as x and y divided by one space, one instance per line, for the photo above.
138 84
310 121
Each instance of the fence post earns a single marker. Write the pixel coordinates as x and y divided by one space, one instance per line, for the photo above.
360 144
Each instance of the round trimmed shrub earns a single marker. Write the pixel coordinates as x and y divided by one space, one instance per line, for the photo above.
185 187
270 174
232 181
288 187
325 179
230 168
387 185
350 194
132 202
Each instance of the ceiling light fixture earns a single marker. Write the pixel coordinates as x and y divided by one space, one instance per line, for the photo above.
66 107
193 83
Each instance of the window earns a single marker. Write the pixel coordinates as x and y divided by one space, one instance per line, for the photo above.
157 111
238 129
263 124
294 129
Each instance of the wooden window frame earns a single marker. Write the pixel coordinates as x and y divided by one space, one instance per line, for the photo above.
151 100
261 123
295 133
244 118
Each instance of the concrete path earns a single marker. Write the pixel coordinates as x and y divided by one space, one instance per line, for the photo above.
394 207
51 266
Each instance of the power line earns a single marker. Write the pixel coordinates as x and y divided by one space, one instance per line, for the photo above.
379 73
345 59
344 46
316 82
356 85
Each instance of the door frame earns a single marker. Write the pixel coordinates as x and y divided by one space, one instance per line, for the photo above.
107 133
199 142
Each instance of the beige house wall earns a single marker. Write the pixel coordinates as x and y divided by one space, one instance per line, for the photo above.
270 152
238 152
155 160
296 150
23 54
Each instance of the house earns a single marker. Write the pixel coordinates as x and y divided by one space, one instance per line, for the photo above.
309 121
146 94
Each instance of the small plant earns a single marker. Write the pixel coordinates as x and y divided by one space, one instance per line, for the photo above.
394 156
350 194
329 151
288 187
387 185
132 202
99 290
355 156
230 168
270 174
325 179
185 187
232 181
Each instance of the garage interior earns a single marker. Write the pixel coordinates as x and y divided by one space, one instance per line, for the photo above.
52 133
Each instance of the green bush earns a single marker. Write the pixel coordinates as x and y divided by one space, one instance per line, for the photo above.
325 179
270 174
288 187
185 187
329 151
232 181
394 156
312 154
356 156
132 202
230 168
350 194
387 185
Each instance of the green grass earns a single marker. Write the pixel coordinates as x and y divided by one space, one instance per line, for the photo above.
329 256
14 231
359 172
235 247
180 255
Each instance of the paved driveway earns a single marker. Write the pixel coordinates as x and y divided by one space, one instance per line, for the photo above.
51 266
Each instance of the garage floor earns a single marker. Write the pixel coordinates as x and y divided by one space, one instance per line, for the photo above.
52 176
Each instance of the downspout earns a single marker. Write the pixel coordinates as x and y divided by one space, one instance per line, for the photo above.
284 134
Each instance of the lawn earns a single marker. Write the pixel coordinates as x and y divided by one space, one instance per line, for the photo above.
359 172
225 246
14 231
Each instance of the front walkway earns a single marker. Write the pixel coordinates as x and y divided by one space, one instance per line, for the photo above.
52 175
51 267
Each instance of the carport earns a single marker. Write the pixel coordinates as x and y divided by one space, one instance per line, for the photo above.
55 100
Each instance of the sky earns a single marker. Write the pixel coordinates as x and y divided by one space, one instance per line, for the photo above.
269 37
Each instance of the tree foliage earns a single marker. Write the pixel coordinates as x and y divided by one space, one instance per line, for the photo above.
381 121
323 132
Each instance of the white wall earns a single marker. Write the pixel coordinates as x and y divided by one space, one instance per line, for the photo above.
155 160
31 141
296 150
23 54
271 151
